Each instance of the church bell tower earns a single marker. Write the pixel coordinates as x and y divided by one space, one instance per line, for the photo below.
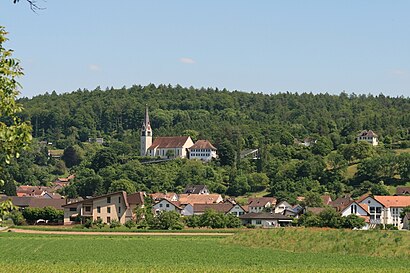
146 134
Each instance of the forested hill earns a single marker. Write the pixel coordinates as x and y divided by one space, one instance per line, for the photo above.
334 164
215 114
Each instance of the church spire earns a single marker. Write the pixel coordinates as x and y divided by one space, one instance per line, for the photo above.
146 134
147 123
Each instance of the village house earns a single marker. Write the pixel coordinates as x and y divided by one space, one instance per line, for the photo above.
196 189
34 202
282 206
265 219
158 196
359 209
368 136
113 206
202 150
62 182
193 199
385 210
259 204
225 208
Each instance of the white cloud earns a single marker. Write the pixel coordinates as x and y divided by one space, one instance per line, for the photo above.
94 67
400 72
185 60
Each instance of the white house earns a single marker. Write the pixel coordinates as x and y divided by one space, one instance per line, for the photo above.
166 205
202 150
259 204
265 219
385 210
282 206
359 209
368 136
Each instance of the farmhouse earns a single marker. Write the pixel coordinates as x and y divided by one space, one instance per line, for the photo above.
193 199
34 202
226 208
258 204
113 206
369 137
202 150
196 189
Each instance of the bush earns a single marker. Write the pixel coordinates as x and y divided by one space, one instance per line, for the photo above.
17 218
130 224
193 221
167 220
99 223
115 224
88 223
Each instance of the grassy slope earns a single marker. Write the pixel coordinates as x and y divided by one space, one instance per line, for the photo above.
316 240
57 253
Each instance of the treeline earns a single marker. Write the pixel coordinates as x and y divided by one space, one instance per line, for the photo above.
245 119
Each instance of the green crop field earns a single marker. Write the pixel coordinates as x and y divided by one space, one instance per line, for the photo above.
237 253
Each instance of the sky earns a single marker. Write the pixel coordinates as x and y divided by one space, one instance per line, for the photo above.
268 46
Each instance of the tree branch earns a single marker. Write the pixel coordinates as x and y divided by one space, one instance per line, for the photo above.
33 5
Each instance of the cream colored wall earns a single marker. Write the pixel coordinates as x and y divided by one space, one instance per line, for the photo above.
114 205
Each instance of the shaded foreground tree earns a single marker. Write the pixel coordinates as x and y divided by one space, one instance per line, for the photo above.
15 134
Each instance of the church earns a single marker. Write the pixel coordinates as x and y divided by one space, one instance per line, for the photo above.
175 146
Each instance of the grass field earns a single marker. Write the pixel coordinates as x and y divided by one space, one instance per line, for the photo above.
239 253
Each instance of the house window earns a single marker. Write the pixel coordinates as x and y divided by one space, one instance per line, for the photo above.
119 209
108 219
98 218
108 210
378 210
372 209
167 205
353 209
160 205
109 199
98 209
73 209
259 222
119 199
87 209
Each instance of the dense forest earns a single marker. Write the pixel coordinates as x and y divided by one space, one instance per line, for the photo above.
276 124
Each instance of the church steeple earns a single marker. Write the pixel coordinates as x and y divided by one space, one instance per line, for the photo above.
146 133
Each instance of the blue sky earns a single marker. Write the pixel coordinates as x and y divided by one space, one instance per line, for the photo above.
261 46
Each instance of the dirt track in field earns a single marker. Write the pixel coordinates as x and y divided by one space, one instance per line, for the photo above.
30 231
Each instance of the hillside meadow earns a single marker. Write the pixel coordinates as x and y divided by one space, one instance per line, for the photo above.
291 250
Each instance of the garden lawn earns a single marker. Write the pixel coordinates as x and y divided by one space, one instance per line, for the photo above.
84 253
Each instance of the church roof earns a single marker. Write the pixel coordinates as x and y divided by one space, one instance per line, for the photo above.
169 142
203 144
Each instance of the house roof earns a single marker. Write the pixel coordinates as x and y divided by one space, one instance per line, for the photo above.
402 190
169 142
177 204
136 198
314 210
203 144
265 215
162 195
222 207
199 198
35 202
365 207
194 189
261 201
327 199
366 133
65 179
123 193
393 201
341 202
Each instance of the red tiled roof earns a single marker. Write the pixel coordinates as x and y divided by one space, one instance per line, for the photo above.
393 201
203 144
161 195
136 198
261 201
169 142
223 207
369 133
199 198
327 199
